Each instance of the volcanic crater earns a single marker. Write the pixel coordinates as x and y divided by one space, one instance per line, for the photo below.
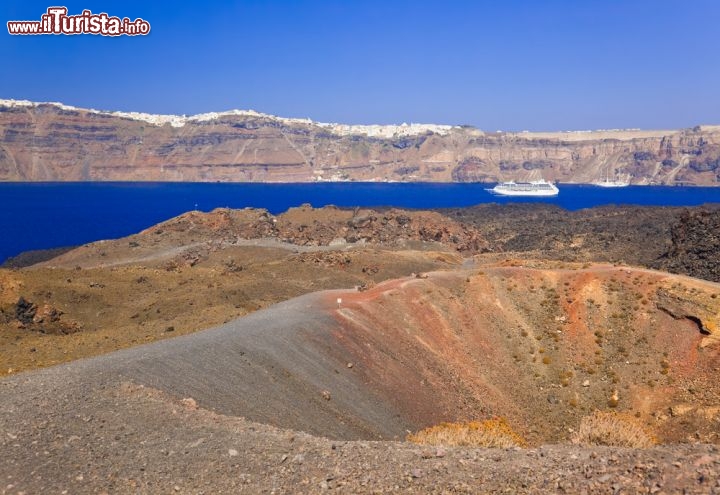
356 326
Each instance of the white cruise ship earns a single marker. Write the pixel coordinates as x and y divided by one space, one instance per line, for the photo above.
534 188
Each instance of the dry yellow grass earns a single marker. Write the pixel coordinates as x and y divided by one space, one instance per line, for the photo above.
613 429
489 433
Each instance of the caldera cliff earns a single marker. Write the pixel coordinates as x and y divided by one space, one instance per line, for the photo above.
55 142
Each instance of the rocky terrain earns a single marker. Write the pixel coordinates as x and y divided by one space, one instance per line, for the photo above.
131 439
674 239
358 327
242 260
694 248
53 142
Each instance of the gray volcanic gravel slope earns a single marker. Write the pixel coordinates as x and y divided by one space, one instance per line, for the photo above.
163 418
271 366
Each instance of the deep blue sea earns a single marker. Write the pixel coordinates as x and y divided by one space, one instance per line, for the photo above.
46 215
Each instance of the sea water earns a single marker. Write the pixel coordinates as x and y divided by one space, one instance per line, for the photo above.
47 215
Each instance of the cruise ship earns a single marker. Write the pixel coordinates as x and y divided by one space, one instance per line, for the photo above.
534 188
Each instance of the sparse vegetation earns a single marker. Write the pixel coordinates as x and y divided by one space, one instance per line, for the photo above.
664 367
613 429
565 378
495 432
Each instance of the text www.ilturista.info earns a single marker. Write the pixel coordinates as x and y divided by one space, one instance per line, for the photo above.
56 21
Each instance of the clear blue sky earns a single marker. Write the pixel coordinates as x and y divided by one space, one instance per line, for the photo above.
511 65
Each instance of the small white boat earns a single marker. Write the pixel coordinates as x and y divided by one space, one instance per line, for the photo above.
611 183
534 188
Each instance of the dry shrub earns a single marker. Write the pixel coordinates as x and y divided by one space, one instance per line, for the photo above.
489 433
613 429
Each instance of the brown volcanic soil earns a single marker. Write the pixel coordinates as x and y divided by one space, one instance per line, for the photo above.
99 310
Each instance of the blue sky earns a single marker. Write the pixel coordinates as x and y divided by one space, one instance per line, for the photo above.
511 65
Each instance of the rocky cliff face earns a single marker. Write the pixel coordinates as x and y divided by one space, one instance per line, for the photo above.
53 142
